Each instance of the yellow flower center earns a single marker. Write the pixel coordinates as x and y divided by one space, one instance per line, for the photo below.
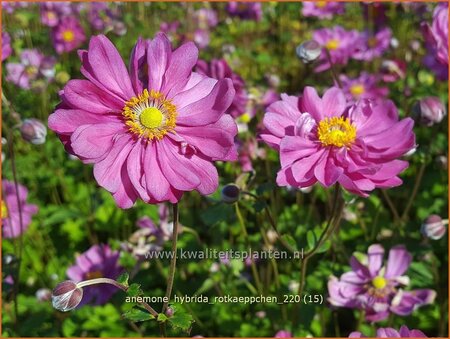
94 275
379 282
357 90
31 70
51 15
336 131
4 210
245 118
321 4
150 115
68 36
332 44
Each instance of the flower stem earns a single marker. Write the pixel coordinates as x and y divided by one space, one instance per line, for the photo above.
173 260
333 68
118 285
252 262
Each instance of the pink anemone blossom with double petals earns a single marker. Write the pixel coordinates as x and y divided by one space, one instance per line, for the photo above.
388 332
16 212
153 131
324 140
376 288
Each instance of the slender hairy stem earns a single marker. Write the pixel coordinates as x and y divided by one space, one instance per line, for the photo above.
414 191
173 260
118 285
391 205
252 263
332 68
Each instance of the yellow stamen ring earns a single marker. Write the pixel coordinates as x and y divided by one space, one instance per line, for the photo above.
336 131
150 115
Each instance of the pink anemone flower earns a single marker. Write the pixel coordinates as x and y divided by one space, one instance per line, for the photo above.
153 131
327 141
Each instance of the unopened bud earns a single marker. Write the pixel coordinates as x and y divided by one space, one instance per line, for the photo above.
230 193
308 51
169 312
272 236
62 77
119 28
434 227
429 110
33 131
66 296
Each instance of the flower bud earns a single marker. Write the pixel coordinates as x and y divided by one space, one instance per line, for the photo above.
429 110
283 334
230 193
434 227
169 312
308 51
33 131
43 294
62 77
66 296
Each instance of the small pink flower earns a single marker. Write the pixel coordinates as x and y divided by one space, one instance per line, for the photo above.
363 87
6 45
323 140
340 43
67 35
322 9
16 212
372 47
153 131
392 333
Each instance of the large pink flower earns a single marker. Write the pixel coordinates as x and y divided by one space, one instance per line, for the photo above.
321 139
151 132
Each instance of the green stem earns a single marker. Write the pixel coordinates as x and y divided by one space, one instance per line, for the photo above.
173 260
252 263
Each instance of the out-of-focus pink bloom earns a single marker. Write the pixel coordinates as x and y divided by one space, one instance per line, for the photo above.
245 10
16 212
436 37
102 16
371 47
340 43
206 18
363 87
67 35
219 69
33 65
249 151
170 29
283 334
324 140
97 262
6 45
10 6
392 333
322 9
375 12
378 289
153 131
52 12
202 38
393 70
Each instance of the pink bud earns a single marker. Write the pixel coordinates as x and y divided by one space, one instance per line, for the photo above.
433 227
429 110
230 193
33 131
66 296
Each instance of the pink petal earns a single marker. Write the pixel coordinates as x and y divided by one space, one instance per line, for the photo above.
311 103
398 262
334 102
159 52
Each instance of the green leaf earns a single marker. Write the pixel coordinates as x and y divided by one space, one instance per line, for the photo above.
162 317
290 241
181 319
311 239
123 279
134 290
136 314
